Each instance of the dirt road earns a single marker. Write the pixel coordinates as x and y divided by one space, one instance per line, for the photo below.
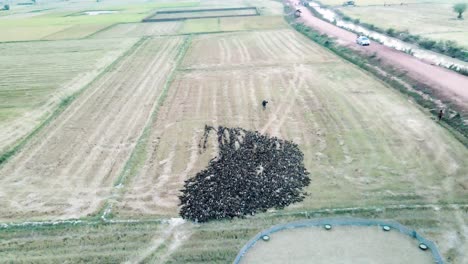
446 83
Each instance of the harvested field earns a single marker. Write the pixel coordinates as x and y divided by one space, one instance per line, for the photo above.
232 24
28 33
265 7
35 77
201 25
76 32
335 112
118 154
252 23
60 19
354 243
259 48
140 30
69 169
201 13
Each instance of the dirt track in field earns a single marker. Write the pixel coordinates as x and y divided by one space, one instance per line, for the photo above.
445 83
364 144
70 167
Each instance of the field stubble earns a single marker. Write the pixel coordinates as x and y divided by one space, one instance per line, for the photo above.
363 143
83 150
35 77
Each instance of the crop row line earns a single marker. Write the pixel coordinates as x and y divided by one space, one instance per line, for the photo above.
133 162
4 157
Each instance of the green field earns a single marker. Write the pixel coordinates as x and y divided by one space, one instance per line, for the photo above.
435 20
65 22
102 177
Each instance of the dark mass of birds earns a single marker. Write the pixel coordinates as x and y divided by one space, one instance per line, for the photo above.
252 173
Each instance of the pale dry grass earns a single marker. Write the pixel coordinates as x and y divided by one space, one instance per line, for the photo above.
69 169
364 143
36 76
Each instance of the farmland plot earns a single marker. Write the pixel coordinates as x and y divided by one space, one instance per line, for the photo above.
76 32
260 48
36 76
140 30
363 143
204 13
68 170
232 24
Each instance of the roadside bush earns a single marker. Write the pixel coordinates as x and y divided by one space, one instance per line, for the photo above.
390 32
427 44
460 8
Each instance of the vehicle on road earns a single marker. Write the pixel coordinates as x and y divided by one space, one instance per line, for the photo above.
363 41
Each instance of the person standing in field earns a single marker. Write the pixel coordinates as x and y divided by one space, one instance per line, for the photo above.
441 114
264 104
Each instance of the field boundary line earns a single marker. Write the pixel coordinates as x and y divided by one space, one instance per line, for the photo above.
307 214
101 30
60 31
152 17
4 157
131 166
344 210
